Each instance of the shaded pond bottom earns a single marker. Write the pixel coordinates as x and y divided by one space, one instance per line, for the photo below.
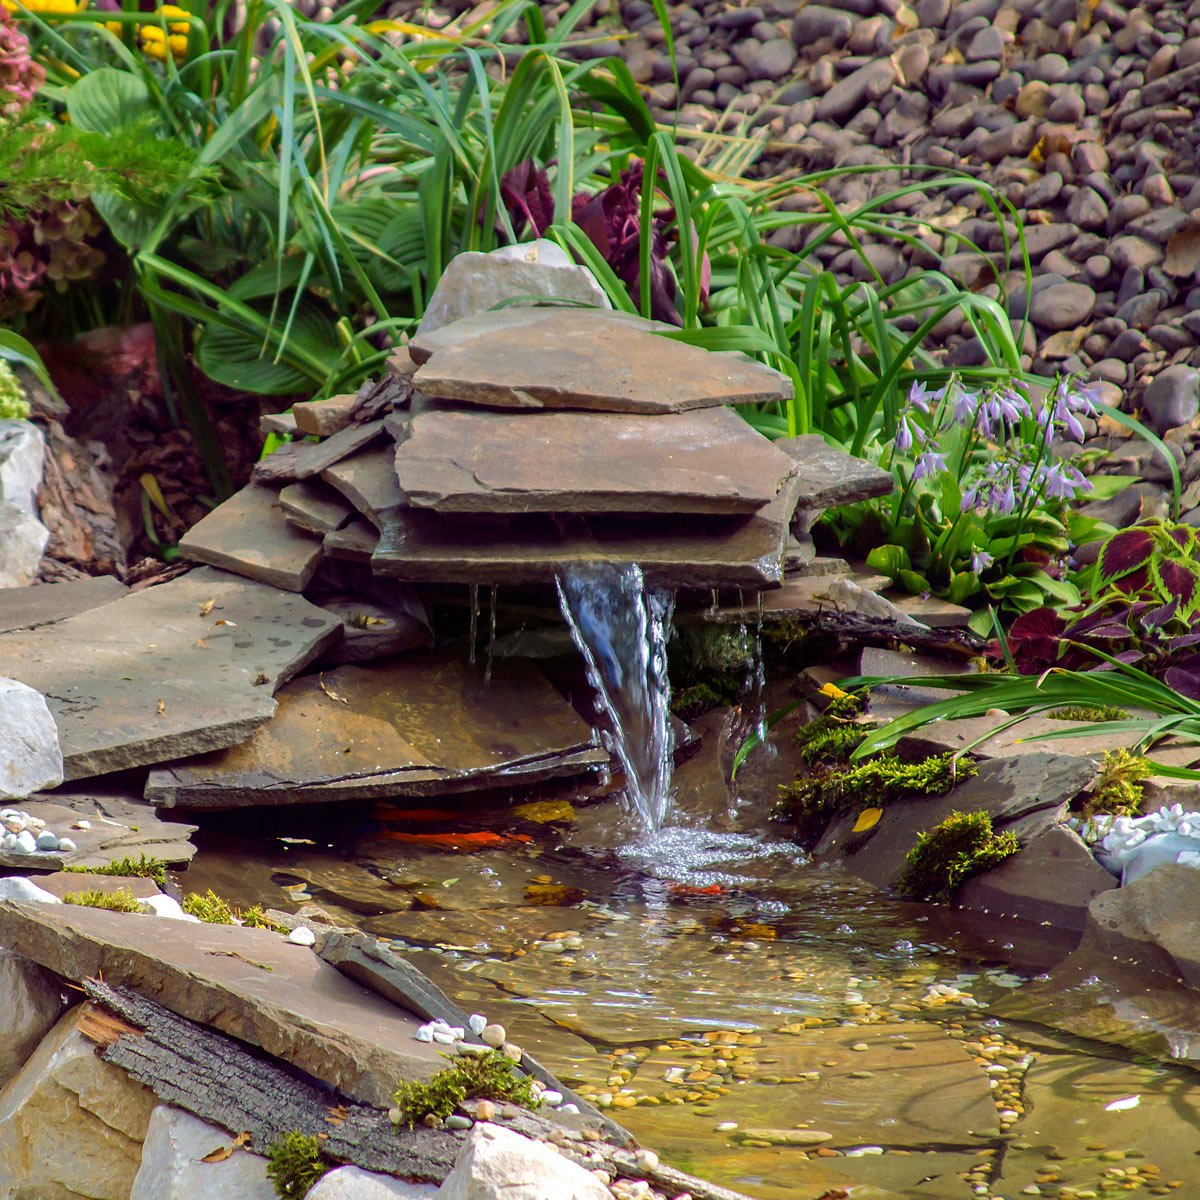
772 1026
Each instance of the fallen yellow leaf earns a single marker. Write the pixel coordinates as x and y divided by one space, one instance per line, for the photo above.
867 819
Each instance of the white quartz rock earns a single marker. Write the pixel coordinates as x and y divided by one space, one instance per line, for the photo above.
30 758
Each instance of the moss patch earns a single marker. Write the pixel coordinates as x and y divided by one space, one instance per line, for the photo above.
294 1164
122 900
948 855
1118 789
490 1076
836 733
209 908
1084 712
141 867
873 783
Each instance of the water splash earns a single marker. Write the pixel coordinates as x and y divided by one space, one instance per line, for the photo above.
621 629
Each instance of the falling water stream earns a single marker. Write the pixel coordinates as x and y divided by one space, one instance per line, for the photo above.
621 628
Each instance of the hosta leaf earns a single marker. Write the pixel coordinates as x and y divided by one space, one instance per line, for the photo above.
889 560
1124 553
239 358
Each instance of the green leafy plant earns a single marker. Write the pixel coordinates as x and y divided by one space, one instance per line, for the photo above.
122 900
1089 712
1159 710
209 908
946 856
294 1164
1118 788
489 1076
142 867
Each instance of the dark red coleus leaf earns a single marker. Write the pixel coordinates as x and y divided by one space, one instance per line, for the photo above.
1156 618
525 192
1034 639
1179 580
1186 683
1125 552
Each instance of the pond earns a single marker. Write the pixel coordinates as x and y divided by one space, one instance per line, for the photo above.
766 1023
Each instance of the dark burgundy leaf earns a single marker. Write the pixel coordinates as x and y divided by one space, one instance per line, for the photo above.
1112 632
1132 583
1183 642
1179 580
525 191
1156 618
1180 535
1125 552
1184 682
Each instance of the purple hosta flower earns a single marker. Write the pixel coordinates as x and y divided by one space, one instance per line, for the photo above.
904 435
995 490
1070 400
1061 482
980 561
931 461
962 411
920 397
1002 406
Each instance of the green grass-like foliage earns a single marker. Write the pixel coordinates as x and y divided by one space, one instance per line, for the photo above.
873 784
294 1164
142 867
490 1076
948 855
1089 712
122 900
835 734
1119 790
209 908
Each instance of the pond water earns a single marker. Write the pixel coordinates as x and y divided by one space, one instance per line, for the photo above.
771 1025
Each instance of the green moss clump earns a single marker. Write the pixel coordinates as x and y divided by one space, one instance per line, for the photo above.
255 918
1119 790
694 701
294 1164
1084 712
13 403
141 867
872 783
948 855
836 733
122 900
209 907
490 1076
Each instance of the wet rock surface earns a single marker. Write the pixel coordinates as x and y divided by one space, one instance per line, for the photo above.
185 666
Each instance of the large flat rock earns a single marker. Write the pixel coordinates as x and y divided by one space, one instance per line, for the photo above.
420 724
829 476
105 840
707 461
248 983
312 506
303 460
177 669
27 607
582 359
368 482
694 551
249 536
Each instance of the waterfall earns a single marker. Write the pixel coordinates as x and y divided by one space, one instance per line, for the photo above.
621 629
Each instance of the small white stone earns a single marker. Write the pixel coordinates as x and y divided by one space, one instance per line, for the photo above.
444 1037
494 1035
8 841
424 1034
25 843
456 1121
472 1048
302 936
570 1110
83 825
551 1098
514 1052
727 1126
646 1160
66 846
477 1023
46 840
15 887
164 906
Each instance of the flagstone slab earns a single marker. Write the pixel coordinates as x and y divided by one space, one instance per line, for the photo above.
248 536
303 460
104 841
582 359
368 482
419 724
249 983
707 461
830 477
312 506
43 604
176 669
324 418
674 551
355 542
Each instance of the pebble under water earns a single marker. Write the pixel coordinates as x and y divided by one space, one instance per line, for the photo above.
765 1023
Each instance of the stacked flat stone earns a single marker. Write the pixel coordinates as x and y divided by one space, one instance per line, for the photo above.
527 440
